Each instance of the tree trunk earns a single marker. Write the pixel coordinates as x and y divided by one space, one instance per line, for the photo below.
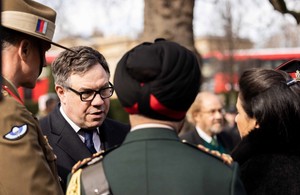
169 19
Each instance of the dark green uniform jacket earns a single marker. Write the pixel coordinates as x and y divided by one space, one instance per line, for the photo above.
153 161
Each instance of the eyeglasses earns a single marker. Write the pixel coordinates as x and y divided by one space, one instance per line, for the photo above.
89 95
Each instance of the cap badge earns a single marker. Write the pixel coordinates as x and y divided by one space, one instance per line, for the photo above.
41 26
16 132
297 75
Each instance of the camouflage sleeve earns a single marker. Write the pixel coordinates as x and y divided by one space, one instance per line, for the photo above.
25 164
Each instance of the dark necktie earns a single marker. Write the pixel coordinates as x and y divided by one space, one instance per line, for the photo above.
88 140
214 142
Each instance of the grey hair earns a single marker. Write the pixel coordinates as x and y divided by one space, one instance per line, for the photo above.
78 61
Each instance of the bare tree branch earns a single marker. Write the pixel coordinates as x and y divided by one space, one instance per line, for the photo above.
280 5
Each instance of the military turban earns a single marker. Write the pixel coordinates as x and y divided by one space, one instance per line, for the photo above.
159 80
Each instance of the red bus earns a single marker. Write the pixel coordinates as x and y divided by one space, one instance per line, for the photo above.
217 78
242 60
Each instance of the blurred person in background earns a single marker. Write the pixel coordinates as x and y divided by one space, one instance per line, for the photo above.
230 126
46 104
207 116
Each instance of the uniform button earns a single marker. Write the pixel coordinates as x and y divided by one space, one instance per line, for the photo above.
96 191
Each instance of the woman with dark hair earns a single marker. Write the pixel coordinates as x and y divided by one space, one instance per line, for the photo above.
268 120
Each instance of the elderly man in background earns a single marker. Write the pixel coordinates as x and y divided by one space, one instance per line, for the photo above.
207 116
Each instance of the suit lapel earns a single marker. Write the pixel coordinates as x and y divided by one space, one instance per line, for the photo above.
196 137
71 144
67 138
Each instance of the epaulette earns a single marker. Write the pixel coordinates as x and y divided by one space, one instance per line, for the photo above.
88 176
92 160
74 185
88 161
225 158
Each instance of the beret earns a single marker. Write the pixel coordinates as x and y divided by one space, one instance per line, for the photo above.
159 80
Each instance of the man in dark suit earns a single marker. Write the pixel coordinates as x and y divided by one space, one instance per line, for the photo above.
207 116
78 127
162 80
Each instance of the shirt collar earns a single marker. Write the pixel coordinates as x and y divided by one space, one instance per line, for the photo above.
203 135
150 125
73 125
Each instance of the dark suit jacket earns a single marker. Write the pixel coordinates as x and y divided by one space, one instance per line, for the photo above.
155 161
67 145
224 139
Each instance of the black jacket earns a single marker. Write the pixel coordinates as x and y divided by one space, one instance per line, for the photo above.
67 145
268 165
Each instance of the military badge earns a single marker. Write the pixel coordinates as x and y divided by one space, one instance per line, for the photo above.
16 132
297 75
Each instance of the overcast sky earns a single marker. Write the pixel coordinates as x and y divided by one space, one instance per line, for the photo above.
257 18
